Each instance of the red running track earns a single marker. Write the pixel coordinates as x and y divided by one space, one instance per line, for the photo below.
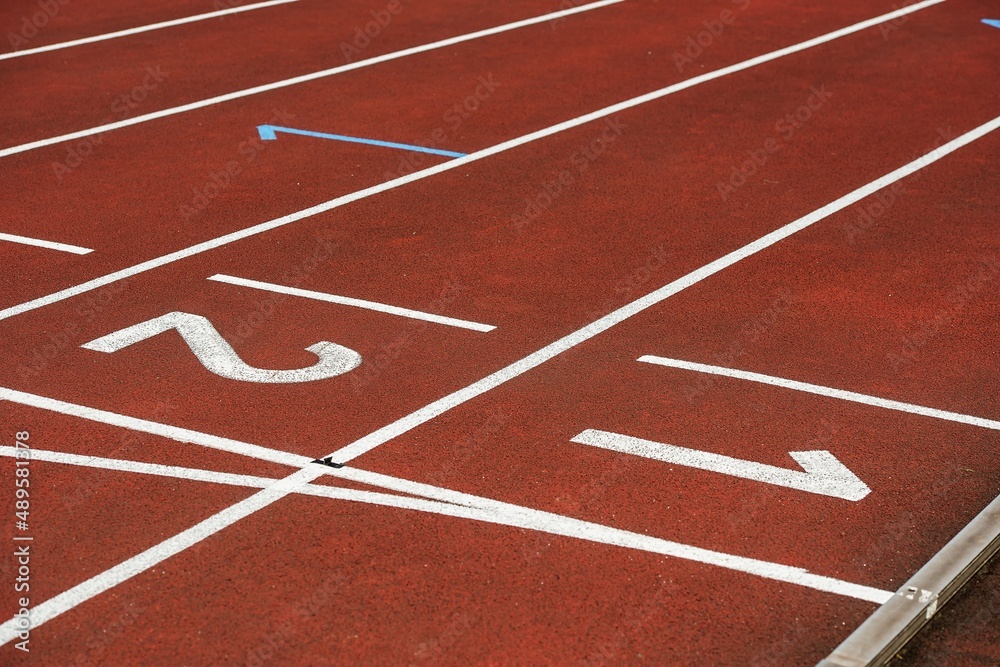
313 580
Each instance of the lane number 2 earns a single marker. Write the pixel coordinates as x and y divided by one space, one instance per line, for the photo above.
219 357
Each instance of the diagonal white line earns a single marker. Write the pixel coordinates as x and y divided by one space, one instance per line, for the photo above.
437 169
428 412
141 29
40 243
154 428
256 90
349 301
435 500
824 391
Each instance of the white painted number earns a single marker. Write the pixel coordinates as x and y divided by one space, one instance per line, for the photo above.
218 356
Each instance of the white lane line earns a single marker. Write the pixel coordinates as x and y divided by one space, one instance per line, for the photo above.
154 428
824 391
124 465
443 167
51 245
256 90
144 28
349 301
151 557
435 500
428 412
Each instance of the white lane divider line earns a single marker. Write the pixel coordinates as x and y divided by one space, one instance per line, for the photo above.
822 473
434 500
442 405
461 162
154 428
141 29
823 391
349 301
40 243
256 90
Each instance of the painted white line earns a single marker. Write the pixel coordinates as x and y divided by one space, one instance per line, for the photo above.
435 500
822 473
428 412
154 428
824 391
140 29
256 90
348 301
479 155
141 562
124 465
51 245
531 519
916 602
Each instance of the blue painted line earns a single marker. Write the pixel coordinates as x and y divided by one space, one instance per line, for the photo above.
993 22
269 132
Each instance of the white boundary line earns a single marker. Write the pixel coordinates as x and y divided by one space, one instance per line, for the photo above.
457 163
435 501
154 428
823 391
145 28
247 92
51 245
348 301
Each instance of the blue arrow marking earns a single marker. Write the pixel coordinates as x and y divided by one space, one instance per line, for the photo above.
993 22
268 133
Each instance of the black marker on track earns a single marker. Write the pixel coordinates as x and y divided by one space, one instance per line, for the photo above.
328 461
